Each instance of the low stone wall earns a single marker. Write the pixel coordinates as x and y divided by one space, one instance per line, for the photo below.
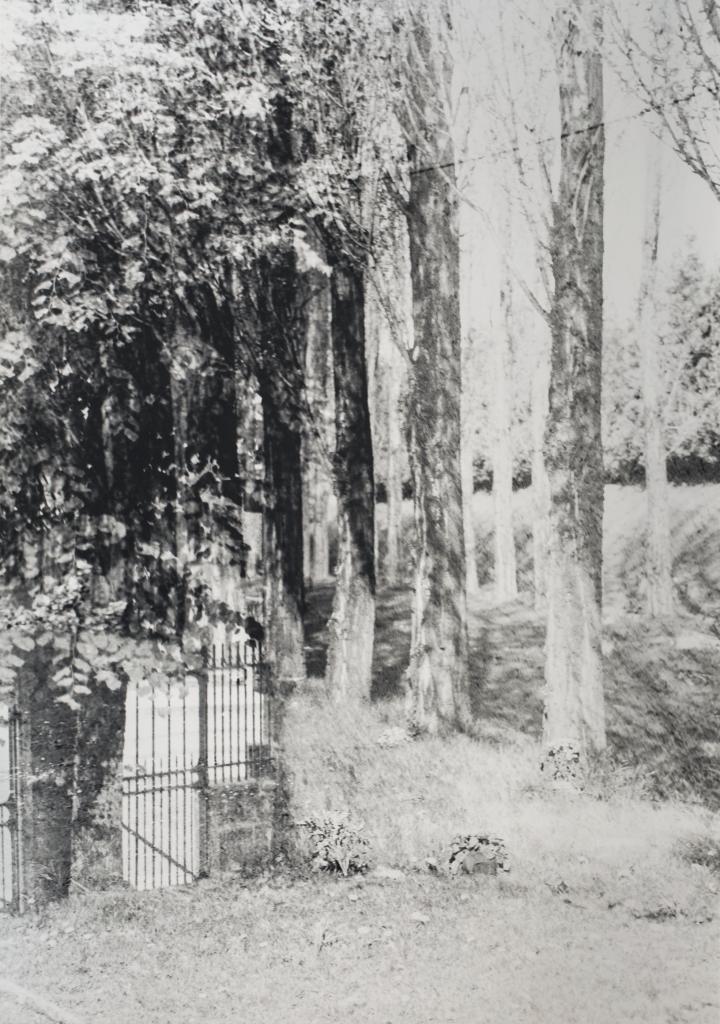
242 826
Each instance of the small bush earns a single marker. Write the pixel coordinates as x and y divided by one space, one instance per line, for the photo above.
473 852
337 846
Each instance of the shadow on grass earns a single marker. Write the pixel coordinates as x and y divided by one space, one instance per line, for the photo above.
663 716
392 637
506 670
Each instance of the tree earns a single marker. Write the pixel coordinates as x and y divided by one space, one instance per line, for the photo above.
659 591
337 114
389 322
352 621
469 357
319 440
669 53
540 388
502 461
281 378
144 197
437 674
515 204
394 464
574 717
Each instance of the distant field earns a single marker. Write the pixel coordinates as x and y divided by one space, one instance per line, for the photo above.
695 525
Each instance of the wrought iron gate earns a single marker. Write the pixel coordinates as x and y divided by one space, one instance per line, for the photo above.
10 848
215 730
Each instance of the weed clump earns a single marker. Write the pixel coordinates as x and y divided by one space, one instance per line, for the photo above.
477 853
337 846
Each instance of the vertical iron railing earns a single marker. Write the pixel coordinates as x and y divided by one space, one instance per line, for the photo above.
10 818
160 791
239 714
181 742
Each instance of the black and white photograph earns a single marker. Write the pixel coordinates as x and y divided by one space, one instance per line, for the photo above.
359 511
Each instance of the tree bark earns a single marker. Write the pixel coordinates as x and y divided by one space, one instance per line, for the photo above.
318 444
375 327
438 672
540 482
393 470
393 291
472 585
352 623
502 461
658 563
47 732
281 380
574 717
385 374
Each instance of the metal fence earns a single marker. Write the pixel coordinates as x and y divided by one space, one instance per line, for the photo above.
10 848
179 740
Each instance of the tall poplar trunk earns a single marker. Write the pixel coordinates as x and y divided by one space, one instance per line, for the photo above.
352 623
317 478
540 482
472 585
393 470
502 461
316 515
574 716
438 672
281 381
658 560
375 326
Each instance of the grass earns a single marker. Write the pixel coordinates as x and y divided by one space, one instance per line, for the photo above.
411 950
607 915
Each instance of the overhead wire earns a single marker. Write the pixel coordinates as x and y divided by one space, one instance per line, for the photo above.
509 150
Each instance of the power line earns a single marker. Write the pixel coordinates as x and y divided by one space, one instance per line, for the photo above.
492 154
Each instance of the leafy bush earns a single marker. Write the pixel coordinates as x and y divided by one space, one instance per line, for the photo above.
337 846
473 852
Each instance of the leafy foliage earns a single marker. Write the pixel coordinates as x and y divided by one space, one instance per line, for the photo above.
155 157
337 845
690 360
477 851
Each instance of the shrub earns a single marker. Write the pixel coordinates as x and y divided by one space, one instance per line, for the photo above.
337 846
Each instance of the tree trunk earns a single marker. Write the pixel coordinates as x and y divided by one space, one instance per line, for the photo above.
283 543
392 298
505 561
316 515
540 482
658 564
468 476
47 757
352 623
574 718
318 444
281 381
393 472
375 326
438 672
